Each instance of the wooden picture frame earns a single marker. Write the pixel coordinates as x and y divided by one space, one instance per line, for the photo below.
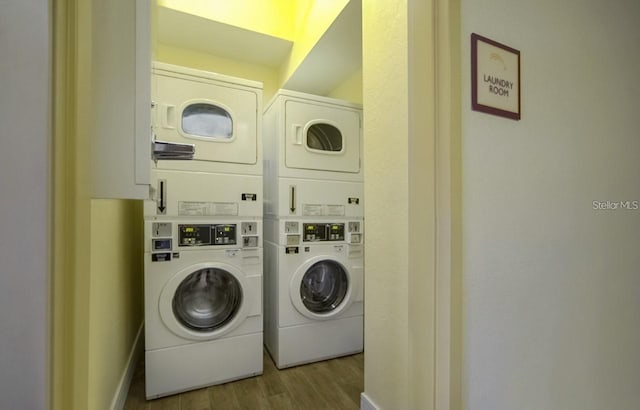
495 78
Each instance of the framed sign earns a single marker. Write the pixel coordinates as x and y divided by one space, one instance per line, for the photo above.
495 78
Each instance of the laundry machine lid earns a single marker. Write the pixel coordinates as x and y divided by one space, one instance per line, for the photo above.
324 286
207 299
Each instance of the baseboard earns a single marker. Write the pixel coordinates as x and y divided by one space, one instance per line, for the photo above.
366 403
125 381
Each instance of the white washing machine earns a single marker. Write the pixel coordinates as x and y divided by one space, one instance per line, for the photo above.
203 302
309 136
204 121
313 290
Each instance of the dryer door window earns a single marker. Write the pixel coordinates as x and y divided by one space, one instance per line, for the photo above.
324 286
324 137
207 299
207 121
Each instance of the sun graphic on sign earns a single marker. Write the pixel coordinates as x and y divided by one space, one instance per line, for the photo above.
497 57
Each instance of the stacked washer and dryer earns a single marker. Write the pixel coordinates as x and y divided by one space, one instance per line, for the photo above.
313 228
203 232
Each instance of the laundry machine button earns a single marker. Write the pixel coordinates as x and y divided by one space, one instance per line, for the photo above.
250 242
161 257
161 244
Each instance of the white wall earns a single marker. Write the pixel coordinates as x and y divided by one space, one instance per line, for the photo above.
24 212
552 286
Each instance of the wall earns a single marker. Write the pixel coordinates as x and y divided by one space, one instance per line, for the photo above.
97 278
350 89
112 288
386 190
551 286
313 18
399 173
24 204
116 295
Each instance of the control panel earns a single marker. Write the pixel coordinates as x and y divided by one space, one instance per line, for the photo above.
207 234
167 242
320 232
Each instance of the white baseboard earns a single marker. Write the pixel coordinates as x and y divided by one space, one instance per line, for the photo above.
125 381
366 403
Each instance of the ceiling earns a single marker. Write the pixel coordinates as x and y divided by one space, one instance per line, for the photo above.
211 37
334 58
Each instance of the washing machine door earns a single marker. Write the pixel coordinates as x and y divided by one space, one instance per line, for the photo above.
321 288
320 137
204 301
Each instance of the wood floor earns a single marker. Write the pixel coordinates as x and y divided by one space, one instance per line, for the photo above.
333 384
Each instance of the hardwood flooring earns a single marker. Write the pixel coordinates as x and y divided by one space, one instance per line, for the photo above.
333 385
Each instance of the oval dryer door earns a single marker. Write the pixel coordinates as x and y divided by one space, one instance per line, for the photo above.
203 303
322 290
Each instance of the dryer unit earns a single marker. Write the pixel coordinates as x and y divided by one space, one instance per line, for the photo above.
312 137
313 290
212 118
203 303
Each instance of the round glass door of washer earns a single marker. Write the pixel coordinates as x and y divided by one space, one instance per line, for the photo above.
207 299
324 286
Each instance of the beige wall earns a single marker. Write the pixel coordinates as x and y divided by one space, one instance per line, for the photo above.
386 172
116 299
399 134
350 89
551 285
97 275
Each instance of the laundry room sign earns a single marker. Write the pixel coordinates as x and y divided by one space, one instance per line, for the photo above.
495 78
